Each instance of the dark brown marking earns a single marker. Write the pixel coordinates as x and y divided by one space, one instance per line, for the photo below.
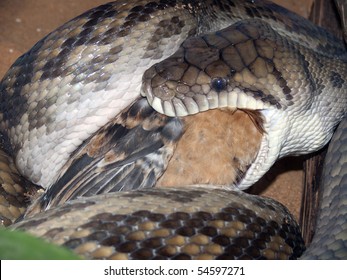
179 216
261 244
182 257
127 247
73 243
194 222
111 241
142 254
221 240
185 231
253 252
97 235
209 231
173 224
336 79
153 242
232 252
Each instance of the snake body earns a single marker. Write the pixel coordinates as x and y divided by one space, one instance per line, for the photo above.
88 72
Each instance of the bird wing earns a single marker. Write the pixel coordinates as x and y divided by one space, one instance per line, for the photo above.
130 152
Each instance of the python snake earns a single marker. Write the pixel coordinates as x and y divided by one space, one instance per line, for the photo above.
72 118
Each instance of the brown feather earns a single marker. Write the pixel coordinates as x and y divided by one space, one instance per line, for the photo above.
217 148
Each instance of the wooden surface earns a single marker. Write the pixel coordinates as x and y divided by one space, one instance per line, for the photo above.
324 13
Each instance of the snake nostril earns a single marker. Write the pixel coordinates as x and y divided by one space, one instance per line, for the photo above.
218 84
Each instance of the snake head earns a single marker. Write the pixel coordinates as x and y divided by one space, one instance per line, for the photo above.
232 68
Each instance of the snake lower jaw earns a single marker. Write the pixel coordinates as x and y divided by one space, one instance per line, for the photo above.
285 135
270 149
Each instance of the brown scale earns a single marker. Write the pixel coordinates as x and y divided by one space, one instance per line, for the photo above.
160 231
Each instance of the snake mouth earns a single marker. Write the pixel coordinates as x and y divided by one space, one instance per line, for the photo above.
272 130
184 105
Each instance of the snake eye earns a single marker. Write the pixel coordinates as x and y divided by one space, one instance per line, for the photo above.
219 84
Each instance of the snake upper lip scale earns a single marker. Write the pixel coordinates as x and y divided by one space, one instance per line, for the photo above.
72 117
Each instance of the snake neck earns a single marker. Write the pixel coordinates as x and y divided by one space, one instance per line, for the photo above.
288 134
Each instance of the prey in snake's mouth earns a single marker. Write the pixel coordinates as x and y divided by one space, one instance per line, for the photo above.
249 66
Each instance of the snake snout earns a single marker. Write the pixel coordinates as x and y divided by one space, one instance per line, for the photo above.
158 91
